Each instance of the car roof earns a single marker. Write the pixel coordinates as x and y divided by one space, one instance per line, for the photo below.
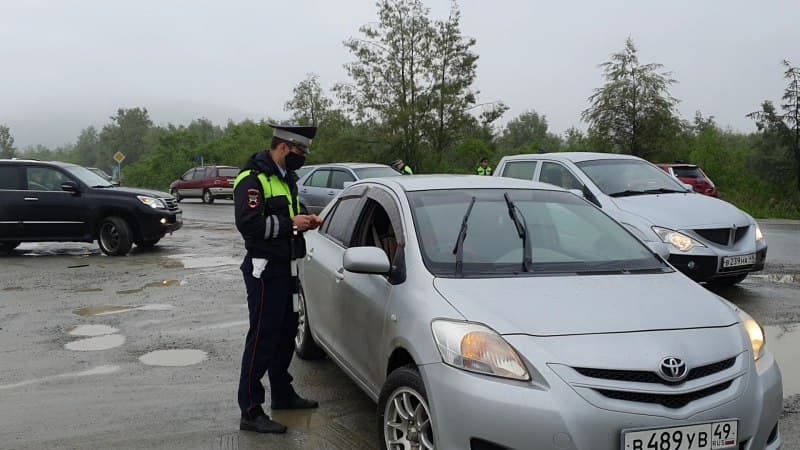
348 165
36 161
676 165
574 157
444 181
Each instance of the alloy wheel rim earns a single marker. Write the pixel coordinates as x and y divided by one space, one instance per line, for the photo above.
407 421
110 236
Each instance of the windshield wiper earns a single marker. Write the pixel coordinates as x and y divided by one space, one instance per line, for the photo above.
522 231
664 191
627 193
458 250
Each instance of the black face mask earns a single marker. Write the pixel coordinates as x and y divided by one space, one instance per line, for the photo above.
294 161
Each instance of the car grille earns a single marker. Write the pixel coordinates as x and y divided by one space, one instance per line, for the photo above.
171 203
642 376
673 401
723 236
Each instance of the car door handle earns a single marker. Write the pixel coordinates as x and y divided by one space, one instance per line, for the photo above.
310 254
340 274
31 199
331 193
304 190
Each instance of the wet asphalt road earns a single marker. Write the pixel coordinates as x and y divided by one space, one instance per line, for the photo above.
63 387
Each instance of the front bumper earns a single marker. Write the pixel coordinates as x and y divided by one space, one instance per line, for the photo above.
505 414
156 223
704 267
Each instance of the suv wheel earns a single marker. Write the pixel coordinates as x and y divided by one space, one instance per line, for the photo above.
176 194
114 236
8 246
404 416
304 344
207 197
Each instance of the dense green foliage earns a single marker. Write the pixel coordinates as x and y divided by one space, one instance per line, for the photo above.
411 96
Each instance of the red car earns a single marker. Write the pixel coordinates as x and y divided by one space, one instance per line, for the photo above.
207 182
691 174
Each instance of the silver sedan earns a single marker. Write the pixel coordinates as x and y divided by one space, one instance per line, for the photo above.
493 313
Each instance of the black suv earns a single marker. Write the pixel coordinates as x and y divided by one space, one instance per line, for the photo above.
60 202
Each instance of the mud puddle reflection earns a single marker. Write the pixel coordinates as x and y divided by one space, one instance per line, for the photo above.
105 310
96 343
155 284
783 342
92 330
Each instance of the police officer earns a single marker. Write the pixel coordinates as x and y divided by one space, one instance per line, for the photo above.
483 167
269 218
402 167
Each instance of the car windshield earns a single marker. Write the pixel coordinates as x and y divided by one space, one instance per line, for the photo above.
375 172
568 235
623 177
88 177
229 172
688 172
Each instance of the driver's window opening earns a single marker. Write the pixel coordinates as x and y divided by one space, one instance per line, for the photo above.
377 230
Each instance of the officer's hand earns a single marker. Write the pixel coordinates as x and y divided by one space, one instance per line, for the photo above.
316 221
303 222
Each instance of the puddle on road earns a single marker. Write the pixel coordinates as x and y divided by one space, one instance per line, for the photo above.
13 288
88 290
96 343
190 261
92 330
303 419
783 342
173 358
105 310
155 284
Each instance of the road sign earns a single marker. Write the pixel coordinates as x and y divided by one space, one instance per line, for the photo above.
119 157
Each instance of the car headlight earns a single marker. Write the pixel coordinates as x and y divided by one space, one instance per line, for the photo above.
155 203
477 348
758 340
678 240
759 235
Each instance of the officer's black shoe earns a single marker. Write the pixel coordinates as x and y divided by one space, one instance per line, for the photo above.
294 402
261 424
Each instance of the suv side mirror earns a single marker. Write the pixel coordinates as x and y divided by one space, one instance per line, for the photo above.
70 186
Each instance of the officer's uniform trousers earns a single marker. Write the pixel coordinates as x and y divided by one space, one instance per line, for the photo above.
270 340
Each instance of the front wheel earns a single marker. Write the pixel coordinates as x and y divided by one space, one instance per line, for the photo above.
207 197
404 416
304 344
114 236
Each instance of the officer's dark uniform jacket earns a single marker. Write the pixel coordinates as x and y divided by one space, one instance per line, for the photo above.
265 218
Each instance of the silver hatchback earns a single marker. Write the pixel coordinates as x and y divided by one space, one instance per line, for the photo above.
494 313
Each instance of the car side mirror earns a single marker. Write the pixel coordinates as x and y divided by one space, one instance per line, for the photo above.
70 186
368 259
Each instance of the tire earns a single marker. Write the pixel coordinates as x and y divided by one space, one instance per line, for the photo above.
405 384
304 344
176 194
114 236
148 243
207 197
727 281
8 246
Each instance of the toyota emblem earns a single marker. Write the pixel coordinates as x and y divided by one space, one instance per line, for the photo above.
673 369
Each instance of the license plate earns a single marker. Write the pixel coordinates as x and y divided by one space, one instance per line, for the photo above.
706 436
741 260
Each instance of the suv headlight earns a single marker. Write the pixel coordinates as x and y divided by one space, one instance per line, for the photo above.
759 235
678 240
758 340
155 203
477 348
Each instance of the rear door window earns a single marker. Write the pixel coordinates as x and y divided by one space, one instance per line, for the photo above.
319 178
523 170
9 177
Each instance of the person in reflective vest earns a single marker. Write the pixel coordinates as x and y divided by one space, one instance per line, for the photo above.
401 167
483 167
269 218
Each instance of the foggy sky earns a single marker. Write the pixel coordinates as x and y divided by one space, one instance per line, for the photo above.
69 64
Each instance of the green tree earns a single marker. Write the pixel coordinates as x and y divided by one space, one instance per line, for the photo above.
309 106
127 133
633 112
7 149
411 79
527 133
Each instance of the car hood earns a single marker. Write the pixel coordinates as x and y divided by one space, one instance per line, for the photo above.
128 191
683 211
590 304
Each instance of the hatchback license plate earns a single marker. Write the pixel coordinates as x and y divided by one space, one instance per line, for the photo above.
741 260
706 436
